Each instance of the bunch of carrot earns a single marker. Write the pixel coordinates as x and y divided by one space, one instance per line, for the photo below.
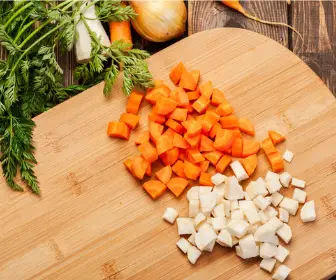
190 128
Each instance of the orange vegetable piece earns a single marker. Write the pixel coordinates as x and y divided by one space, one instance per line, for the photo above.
181 97
268 146
190 117
217 97
276 162
182 155
154 117
134 101
246 126
173 95
228 151
204 165
187 81
250 164
223 163
128 164
118 130
206 89
193 141
276 137
139 167
156 92
164 105
209 119
175 126
157 83
169 132
190 108
178 169
237 147
179 141
229 121
195 74
176 73
154 188
148 152
179 114
236 132
201 104
164 174
177 185
250 147
214 130
191 170
224 109
155 131
170 157
205 179
129 119
223 140
194 128
193 95
149 170
164 143
206 144
142 138
194 155
213 157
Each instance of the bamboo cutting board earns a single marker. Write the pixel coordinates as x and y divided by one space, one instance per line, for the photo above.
94 221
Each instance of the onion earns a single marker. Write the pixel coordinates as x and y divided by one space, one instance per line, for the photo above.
159 20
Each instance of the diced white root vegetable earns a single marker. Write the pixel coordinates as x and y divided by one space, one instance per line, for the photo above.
267 250
208 201
272 176
237 215
268 264
288 156
261 202
193 193
248 247
246 196
185 226
251 215
219 210
271 212
290 205
200 218
191 239
244 204
220 189
193 254
183 244
263 217
274 223
299 195
233 190
281 254
237 228
281 273
235 240
261 180
283 215
253 228
269 198
265 233
204 225
170 215
239 252
218 223
252 189
285 233
308 213
204 237
276 198
209 220
239 171
234 205
205 189
273 186
218 179
210 246
194 208
227 208
219 197
285 179
224 238
298 183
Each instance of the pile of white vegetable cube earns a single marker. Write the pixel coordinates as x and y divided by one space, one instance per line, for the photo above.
248 221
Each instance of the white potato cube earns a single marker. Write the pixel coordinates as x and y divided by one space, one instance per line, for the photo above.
281 273
220 189
285 233
274 223
281 254
219 197
276 198
253 228
227 208
261 180
246 196
248 247
273 186
183 244
224 238
235 240
285 179
261 202
204 237
290 205
193 193
263 217
237 228
267 250
185 226
191 239
237 215
170 215
283 215
298 183
218 179
271 212
239 171
265 233
193 254
307 213
194 208
269 198
272 176
244 204
234 205
208 201
268 264
218 223
255 188
204 225
205 189
288 156
251 215
233 190
299 195
200 218
210 246
219 210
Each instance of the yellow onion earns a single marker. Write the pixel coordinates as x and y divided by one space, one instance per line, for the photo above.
159 20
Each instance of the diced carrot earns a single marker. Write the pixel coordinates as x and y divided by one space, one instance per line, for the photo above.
182 155
276 137
149 170
187 81
224 109
134 101
164 105
206 144
214 130
204 165
173 95
154 117
190 117
179 114
170 157
229 121
193 95
250 164
139 167
157 83
129 119
237 147
223 163
217 97
142 138
276 162
176 73
228 151
118 130
190 108
154 188
193 141
196 75
206 89
246 126
181 97
179 141
223 140
178 169
213 157
200 117
194 128
164 174
268 146
191 170
177 185
236 132
128 164
170 133
194 155
250 147
163 144
201 104
205 179
155 131
156 92
186 123
148 152
175 126
210 118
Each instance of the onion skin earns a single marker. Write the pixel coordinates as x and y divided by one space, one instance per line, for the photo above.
159 20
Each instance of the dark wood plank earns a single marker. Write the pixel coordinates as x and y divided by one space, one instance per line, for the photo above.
205 15
316 21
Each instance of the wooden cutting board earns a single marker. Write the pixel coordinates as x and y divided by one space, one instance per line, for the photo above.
94 221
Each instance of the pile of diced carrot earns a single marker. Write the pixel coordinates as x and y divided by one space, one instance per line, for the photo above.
190 128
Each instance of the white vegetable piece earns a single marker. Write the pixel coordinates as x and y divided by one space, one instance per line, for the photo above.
285 233
255 188
193 193
218 223
281 273
253 228
194 208
204 225
267 250
220 189
274 223
235 240
285 179
246 196
281 254
272 176
298 183
290 205
233 190
227 208
237 215
210 246
234 205
237 228
248 247
185 226
193 254
261 181
170 215
299 195
276 198
204 237
205 189
200 218
218 179
219 210
261 202
263 217
265 233
288 156
208 201
271 212
251 215
241 254
239 171
307 213
219 197
268 264
283 215
224 238
273 186
244 204
183 244
269 199
191 239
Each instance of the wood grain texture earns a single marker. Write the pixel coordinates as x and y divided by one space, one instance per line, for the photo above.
94 221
